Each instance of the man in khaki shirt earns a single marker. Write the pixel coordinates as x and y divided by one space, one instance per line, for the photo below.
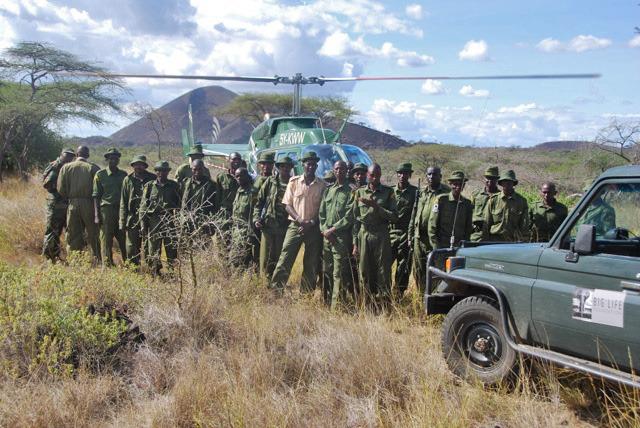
302 202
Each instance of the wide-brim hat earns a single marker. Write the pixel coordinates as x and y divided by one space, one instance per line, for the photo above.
68 152
286 161
492 172
508 176
162 166
359 167
196 150
139 159
457 176
404 167
112 152
235 155
266 158
310 156
329 176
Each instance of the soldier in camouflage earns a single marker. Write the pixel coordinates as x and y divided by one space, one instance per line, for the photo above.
243 234
227 186
265 166
129 220
56 206
200 198
480 198
506 217
451 216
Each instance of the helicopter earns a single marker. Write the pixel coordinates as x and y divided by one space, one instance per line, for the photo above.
295 134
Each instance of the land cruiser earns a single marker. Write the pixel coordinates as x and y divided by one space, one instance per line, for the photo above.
574 301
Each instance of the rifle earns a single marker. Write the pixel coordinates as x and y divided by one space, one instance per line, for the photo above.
414 212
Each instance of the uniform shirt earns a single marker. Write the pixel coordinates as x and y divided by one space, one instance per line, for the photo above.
374 219
107 186
75 180
200 196
441 221
227 187
545 220
50 180
506 218
405 199
335 208
304 199
243 205
184 171
259 181
130 198
419 228
157 198
479 200
601 215
270 196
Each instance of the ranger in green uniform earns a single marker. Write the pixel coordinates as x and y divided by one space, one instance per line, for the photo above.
374 208
547 215
506 217
228 185
243 235
75 184
56 206
451 215
129 219
107 190
200 198
270 216
265 165
399 232
480 198
160 200
600 214
419 226
358 175
336 219
184 171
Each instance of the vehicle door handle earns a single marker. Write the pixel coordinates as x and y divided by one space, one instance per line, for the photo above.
631 286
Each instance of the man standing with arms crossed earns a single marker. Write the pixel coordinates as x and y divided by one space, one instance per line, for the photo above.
302 201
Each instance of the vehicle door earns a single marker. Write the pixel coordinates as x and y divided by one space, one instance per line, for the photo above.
589 305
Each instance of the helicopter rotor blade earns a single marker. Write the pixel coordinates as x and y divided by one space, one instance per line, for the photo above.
497 77
181 77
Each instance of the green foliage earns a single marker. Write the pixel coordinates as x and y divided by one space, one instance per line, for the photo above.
254 106
55 319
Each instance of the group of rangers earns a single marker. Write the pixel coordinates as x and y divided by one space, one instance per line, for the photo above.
353 227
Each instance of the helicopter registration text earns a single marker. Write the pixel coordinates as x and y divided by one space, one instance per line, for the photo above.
291 138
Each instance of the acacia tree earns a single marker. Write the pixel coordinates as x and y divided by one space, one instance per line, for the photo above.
254 106
44 87
155 120
621 139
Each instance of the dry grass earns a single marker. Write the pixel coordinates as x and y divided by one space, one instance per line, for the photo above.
234 354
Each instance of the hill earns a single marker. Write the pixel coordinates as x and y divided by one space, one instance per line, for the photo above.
563 145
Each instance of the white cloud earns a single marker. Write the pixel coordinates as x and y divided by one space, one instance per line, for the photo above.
414 11
578 44
474 50
433 87
13 7
468 91
347 69
7 34
635 42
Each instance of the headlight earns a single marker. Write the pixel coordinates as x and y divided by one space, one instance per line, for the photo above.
453 263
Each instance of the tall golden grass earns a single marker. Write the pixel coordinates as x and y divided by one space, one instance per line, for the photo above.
233 354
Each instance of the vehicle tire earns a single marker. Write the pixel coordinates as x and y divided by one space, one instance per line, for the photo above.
474 344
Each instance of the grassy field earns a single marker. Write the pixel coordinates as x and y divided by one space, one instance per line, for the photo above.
230 353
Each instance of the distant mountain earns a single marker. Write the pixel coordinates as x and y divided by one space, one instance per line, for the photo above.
563 145
171 118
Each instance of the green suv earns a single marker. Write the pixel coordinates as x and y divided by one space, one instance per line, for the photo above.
574 301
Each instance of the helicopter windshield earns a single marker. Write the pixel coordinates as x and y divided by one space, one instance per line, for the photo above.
355 154
330 153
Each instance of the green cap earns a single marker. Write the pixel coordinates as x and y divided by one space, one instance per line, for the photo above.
310 156
329 176
139 159
359 167
196 150
235 155
404 167
457 176
286 161
492 172
508 176
266 158
112 152
162 166
68 152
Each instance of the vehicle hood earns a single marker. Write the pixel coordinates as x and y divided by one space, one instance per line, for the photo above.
527 254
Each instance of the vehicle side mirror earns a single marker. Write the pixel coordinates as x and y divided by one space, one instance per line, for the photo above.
585 242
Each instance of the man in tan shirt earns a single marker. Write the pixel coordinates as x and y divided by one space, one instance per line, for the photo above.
302 202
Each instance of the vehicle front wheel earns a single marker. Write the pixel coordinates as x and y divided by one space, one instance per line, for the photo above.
474 344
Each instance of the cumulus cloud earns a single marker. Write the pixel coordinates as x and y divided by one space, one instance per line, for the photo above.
7 34
635 42
524 124
414 11
578 44
468 91
474 50
433 87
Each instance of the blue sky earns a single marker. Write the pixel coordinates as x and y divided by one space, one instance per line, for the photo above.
365 37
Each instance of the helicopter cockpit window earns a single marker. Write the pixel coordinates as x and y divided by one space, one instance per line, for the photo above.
327 154
356 154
